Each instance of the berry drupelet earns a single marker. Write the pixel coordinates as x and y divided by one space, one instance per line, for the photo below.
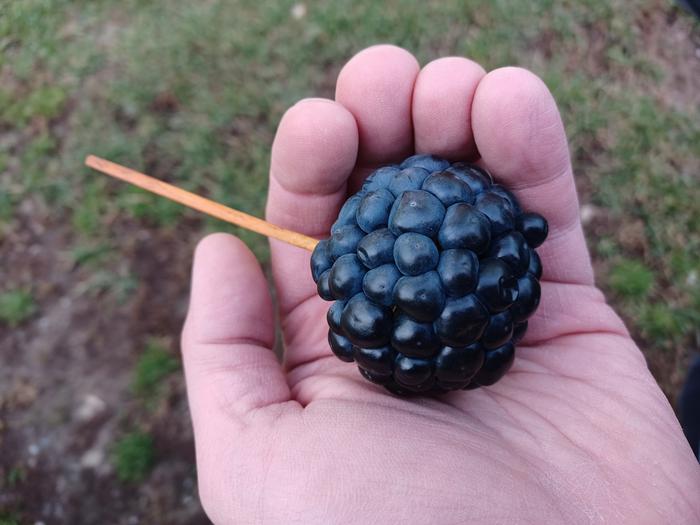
433 274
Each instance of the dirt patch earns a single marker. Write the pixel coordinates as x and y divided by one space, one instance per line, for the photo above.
65 382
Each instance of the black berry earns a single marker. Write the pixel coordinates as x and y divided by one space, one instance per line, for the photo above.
433 272
465 227
378 284
458 271
346 275
420 296
415 254
449 188
533 227
416 211
374 208
414 338
407 179
376 248
455 366
366 323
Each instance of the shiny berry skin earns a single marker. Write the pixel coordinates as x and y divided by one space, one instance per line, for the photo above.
508 196
528 298
374 208
415 254
341 346
535 266
519 332
414 338
458 271
380 178
497 287
462 321
433 272
413 373
416 211
407 179
533 227
333 316
366 323
449 188
321 259
379 379
498 331
430 163
379 361
457 365
498 211
323 286
376 248
345 241
465 227
477 179
513 250
496 363
347 214
420 296
378 284
345 279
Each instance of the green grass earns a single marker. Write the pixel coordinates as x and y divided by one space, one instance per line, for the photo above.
44 102
9 519
16 306
192 92
631 279
134 456
16 476
154 365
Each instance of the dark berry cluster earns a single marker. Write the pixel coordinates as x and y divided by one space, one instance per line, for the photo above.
434 274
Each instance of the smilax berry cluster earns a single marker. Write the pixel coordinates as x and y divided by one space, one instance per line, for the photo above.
433 272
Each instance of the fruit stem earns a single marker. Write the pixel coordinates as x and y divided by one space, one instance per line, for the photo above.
199 203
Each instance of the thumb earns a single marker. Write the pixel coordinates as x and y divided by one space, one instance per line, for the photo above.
228 336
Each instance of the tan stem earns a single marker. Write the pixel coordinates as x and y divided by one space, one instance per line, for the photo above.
199 203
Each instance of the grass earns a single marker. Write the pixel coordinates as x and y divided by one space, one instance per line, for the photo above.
630 279
152 367
192 92
16 306
133 456
16 476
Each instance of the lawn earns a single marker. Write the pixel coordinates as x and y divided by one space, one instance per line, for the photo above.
94 274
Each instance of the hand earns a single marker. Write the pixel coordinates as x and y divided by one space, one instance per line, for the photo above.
578 430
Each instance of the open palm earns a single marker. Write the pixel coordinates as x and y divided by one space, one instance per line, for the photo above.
577 431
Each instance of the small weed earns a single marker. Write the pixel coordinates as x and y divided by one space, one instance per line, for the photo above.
153 366
9 519
90 209
660 322
45 102
134 456
121 283
90 255
16 306
631 279
16 476
6 207
157 210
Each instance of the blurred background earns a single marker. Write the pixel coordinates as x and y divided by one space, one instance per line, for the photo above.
94 425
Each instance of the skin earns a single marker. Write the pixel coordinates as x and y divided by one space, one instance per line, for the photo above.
577 432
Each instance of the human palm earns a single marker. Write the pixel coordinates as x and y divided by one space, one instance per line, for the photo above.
577 431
